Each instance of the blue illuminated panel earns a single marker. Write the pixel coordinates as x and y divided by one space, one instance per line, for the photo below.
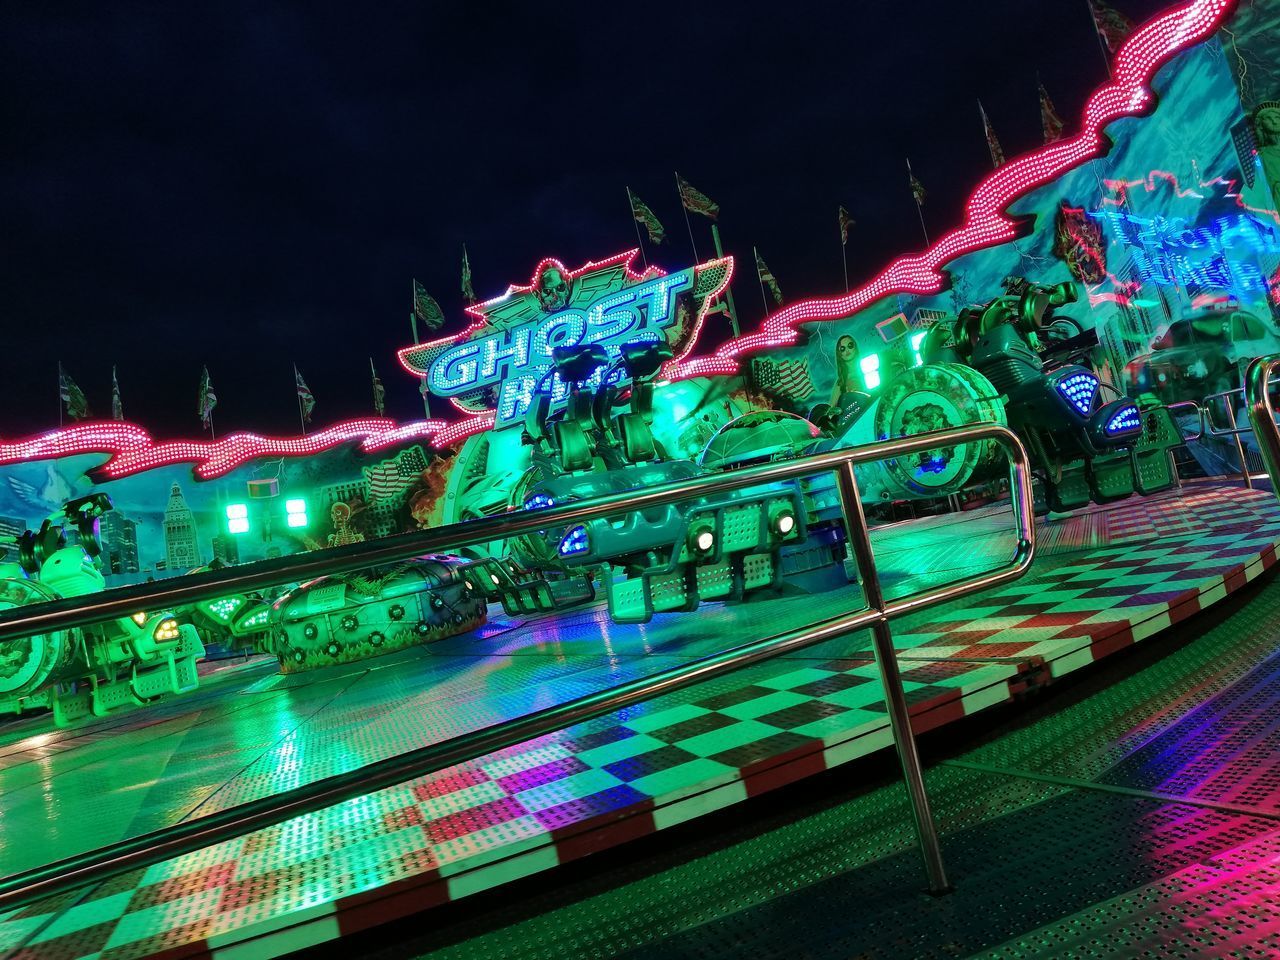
574 542
539 501
1123 420
1079 389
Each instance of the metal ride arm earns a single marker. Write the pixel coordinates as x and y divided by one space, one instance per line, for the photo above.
163 844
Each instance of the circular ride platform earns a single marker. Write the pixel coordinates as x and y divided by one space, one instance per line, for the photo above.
1103 579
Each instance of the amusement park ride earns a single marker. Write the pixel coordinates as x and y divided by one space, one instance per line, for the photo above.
589 421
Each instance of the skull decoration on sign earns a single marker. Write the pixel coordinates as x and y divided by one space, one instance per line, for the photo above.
552 289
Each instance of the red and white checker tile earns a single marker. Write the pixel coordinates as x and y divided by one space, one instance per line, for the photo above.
543 803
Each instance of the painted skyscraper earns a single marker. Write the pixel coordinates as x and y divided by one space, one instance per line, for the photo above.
180 551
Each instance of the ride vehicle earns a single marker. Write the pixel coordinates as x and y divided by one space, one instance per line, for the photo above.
1085 447
663 558
348 617
94 670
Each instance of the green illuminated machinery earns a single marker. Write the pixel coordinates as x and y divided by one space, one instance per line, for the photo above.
91 671
659 559
349 617
1088 441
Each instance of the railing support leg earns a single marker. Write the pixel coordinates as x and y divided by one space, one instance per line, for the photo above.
1262 415
1244 464
894 695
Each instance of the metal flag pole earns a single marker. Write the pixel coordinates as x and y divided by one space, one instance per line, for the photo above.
919 207
631 204
844 254
728 291
687 223
413 326
1102 47
756 253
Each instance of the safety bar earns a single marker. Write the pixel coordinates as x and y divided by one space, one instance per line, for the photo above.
1179 405
1262 414
190 835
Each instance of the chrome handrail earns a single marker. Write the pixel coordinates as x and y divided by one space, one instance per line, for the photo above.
1262 414
1233 430
1199 412
163 844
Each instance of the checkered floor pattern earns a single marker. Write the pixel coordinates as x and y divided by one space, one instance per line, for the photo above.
592 786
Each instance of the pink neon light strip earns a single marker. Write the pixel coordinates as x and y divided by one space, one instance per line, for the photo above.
132 449
985 223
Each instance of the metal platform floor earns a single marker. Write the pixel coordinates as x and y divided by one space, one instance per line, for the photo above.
1105 580
1131 812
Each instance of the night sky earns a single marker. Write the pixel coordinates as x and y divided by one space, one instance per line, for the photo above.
251 184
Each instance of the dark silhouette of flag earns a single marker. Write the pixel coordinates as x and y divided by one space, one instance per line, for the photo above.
206 400
643 215
767 278
917 189
695 200
379 391
468 290
72 396
993 144
306 399
1112 25
117 405
1050 122
425 307
846 222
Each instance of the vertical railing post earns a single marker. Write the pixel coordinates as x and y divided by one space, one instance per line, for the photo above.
1231 423
894 695
1262 416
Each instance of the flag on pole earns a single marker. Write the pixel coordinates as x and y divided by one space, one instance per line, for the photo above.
425 307
695 200
306 400
917 189
206 400
767 278
468 291
72 396
1112 25
993 145
1050 122
643 215
117 406
379 392
846 222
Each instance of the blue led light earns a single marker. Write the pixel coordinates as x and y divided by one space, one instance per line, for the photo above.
1123 420
574 542
539 501
1079 389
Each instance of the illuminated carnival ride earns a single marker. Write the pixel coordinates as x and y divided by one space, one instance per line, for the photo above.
87 671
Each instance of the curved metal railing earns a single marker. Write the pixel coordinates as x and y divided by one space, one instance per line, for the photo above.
1262 414
190 835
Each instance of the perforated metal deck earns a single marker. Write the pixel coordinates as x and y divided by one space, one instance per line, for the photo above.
598 785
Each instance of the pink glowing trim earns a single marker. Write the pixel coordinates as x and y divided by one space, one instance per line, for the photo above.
705 309
479 311
133 450
1122 188
985 222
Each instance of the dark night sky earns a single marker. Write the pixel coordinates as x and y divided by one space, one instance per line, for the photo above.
249 184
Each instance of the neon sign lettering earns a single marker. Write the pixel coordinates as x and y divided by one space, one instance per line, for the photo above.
519 360
1167 251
